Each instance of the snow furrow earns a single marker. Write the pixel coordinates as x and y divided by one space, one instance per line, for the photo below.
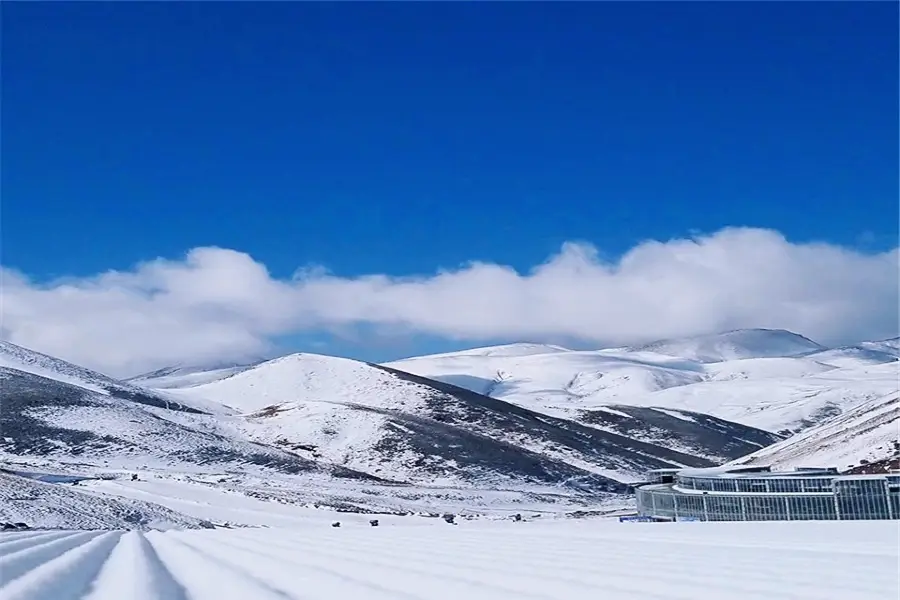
406 560
299 568
203 575
17 535
22 560
67 576
134 571
10 545
432 568
546 567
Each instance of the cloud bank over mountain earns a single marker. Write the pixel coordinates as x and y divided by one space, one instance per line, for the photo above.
220 304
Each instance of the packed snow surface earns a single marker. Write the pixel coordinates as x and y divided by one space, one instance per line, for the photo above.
432 560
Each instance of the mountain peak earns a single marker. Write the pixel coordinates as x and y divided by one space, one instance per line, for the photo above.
508 350
734 345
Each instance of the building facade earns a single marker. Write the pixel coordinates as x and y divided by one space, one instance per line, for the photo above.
760 494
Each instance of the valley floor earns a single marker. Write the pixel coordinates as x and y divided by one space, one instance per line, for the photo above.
564 560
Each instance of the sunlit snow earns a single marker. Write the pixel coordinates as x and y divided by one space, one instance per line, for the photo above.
432 560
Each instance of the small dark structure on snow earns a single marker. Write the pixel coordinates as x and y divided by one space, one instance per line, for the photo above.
374 522
450 518
336 524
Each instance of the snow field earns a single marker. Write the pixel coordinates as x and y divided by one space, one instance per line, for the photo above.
475 560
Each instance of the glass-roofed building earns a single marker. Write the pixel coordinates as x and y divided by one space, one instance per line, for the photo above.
760 494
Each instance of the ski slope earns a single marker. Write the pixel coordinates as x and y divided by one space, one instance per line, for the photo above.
493 561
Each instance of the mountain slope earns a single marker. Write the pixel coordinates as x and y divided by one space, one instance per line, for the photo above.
689 432
508 350
47 505
30 361
181 377
43 417
864 353
402 426
733 345
888 346
766 391
558 382
785 405
868 433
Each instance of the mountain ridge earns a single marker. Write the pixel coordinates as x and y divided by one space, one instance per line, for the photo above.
782 394
556 426
374 420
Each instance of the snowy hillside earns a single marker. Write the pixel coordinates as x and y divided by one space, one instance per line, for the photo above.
785 405
496 429
198 464
403 427
865 353
43 417
557 382
53 505
508 350
733 345
181 377
334 428
29 361
888 346
691 432
242 498
768 379
868 433
429 560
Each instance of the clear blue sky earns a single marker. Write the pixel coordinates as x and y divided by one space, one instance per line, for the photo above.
403 137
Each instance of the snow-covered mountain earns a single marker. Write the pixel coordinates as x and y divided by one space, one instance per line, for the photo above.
306 412
29 361
44 417
868 433
785 405
769 379
733 345
405 427
506 426
181 377
864 353
557 382
49 424
889 346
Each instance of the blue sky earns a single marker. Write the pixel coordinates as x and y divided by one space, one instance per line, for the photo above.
400 138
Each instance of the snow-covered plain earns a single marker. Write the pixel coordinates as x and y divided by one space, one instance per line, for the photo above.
431 560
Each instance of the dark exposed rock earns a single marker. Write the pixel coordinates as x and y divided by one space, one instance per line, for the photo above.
705 434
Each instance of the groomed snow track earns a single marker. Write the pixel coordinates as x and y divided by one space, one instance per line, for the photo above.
498 561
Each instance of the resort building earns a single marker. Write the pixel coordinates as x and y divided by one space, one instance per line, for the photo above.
760 494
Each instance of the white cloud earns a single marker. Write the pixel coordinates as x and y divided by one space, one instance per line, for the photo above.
221 304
